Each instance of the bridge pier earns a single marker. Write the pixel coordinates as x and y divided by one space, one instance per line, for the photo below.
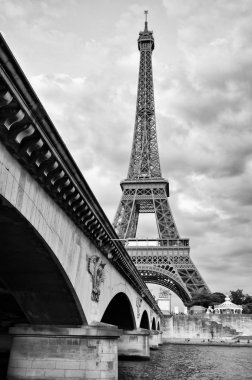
134 344
57 352
160 339
5 348
154 339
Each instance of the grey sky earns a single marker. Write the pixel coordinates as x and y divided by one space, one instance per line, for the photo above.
81 57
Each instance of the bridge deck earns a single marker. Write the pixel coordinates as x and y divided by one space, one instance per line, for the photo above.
30 136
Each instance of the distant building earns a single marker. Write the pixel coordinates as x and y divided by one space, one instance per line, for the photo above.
197 309
227 307
164 301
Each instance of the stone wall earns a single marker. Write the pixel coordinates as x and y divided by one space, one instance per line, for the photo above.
5 347
206 326
59 353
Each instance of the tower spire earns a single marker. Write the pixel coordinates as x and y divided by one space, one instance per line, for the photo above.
146 21
144 161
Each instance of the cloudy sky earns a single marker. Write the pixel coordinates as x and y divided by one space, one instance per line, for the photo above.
81 58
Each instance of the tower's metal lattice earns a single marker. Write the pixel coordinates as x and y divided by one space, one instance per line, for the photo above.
166 261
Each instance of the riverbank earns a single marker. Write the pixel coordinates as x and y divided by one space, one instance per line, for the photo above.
206 326
239 341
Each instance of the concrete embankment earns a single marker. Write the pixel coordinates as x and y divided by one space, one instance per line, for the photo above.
235 342
206 326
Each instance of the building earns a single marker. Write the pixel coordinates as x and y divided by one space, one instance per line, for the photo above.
164 301
227 307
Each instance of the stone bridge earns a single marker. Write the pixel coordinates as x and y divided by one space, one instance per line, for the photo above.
71 299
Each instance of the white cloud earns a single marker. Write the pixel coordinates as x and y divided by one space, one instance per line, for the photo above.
82 60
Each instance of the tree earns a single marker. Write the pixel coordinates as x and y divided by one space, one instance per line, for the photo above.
210 299
199 299
247 308
237 296
247 300
217 298
206 299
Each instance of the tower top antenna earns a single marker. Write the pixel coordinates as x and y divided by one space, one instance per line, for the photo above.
146 21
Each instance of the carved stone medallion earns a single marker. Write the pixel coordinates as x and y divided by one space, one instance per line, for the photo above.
138 305
96 269
151 313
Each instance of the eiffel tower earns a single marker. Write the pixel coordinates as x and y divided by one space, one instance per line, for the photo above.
165 261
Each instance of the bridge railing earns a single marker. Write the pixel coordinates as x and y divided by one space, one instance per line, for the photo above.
170 243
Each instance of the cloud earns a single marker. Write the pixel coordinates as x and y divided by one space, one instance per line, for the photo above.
205 106
82 60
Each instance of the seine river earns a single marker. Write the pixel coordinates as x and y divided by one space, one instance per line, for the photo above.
190 362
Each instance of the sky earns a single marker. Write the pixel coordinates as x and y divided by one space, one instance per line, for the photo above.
82 60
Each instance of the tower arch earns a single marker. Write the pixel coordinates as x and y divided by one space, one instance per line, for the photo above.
159 276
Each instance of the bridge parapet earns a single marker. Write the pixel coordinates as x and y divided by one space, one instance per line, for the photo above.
30 136
170 243
158 251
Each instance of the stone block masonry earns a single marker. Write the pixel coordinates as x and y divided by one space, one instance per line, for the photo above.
41 352
206 326
134 344
5 347
154 339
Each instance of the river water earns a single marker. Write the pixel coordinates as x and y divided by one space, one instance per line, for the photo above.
188 362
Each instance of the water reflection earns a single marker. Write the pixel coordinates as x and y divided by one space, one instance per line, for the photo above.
173 362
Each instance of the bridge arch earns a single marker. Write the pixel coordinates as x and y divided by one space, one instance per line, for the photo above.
153 324
144 323
119 312
32 280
